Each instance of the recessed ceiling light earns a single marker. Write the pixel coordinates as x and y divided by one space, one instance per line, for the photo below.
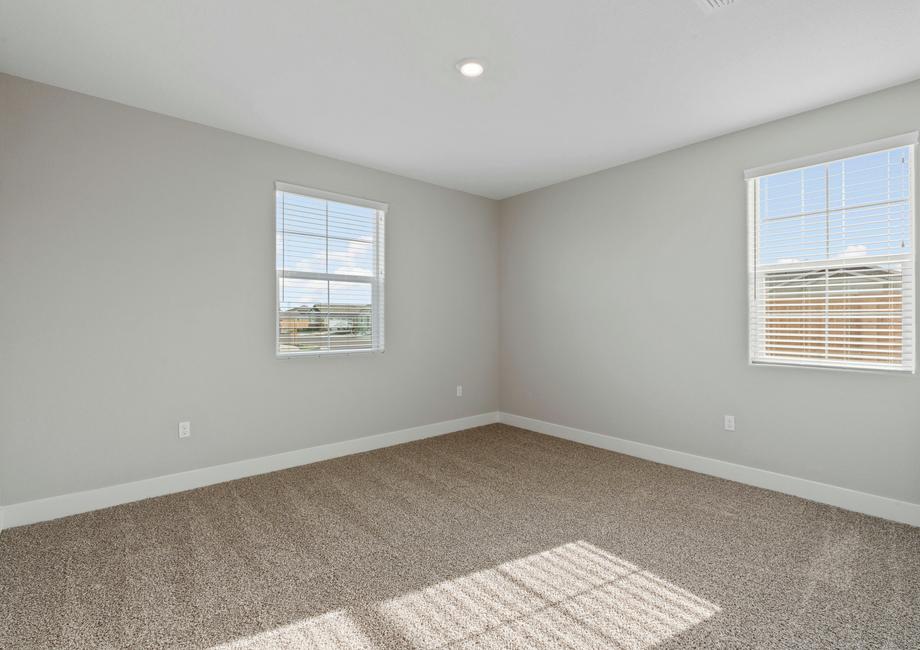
470 68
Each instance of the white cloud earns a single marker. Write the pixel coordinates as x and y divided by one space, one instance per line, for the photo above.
855 250
355 258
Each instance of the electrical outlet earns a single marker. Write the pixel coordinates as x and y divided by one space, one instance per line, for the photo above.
459 390
185 429
729 422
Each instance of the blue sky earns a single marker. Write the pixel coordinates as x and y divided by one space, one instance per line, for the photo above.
303 246
845 209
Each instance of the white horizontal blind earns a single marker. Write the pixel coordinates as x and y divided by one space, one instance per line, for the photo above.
832 263
329 272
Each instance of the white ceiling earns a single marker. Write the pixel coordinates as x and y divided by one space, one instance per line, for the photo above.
570 87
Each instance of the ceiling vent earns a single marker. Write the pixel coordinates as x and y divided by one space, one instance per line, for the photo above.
714 5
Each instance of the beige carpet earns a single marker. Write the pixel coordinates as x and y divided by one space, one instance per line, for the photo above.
489 538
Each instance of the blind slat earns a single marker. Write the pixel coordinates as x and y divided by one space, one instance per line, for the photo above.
832 263
329 272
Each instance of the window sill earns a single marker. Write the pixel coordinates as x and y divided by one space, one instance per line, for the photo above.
815 366
326 353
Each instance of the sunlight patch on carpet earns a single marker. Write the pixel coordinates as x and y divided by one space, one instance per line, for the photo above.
573 595
330 630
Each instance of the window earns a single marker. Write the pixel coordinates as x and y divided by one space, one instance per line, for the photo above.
832 259
329 272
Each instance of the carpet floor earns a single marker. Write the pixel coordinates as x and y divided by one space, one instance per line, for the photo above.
493 537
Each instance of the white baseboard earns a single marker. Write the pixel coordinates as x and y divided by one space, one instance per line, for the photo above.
870 504
28 512
19 514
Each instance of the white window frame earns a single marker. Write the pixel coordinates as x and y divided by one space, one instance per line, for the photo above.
751 176
377 281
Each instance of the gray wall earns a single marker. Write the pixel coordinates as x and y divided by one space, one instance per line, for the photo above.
136 277
624 312
137 285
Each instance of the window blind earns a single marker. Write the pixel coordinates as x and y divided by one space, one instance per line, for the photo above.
832 263
329 267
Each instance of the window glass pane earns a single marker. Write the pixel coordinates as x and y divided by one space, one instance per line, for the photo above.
350 314
303 253
352 222
872 230
872 178
833 275
792 193
347 257
303 315
866 212
847 314
326 240
302 214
